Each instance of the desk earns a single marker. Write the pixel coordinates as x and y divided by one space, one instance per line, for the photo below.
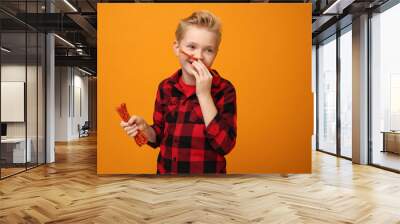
15 148
391 141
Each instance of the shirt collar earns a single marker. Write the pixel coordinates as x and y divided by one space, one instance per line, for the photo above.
174 79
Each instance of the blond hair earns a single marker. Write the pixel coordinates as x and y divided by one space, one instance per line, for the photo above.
201 18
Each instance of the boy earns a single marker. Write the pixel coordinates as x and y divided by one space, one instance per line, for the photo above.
194 120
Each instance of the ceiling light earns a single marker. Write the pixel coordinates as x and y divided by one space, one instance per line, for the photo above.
70 5
64 40
84 71
338 6
5 50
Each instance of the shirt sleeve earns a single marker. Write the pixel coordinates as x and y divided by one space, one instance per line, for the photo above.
158 119
221 131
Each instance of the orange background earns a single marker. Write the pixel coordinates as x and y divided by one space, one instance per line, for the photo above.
265 52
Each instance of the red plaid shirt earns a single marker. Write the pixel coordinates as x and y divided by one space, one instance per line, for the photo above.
186 144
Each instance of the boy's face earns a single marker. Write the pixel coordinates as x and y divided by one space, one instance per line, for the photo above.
198 42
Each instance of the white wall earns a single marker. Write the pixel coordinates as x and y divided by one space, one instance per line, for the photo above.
80 84
71 93
314 91
34 125
16 73
61 103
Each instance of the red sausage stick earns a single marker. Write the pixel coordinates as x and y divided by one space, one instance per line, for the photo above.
140 138
191 57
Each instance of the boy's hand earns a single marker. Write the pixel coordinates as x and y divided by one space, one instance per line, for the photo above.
135 124
203 79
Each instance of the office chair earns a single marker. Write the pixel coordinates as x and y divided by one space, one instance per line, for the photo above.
84 130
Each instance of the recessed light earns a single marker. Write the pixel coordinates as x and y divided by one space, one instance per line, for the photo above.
84 71
5 50
64 40
71 6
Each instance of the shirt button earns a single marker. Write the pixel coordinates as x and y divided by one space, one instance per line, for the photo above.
174 159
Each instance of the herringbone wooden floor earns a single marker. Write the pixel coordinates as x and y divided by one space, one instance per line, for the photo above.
69 191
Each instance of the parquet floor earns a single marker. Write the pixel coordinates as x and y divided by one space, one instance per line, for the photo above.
69 191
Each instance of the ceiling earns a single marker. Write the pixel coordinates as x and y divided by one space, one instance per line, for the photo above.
76 24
